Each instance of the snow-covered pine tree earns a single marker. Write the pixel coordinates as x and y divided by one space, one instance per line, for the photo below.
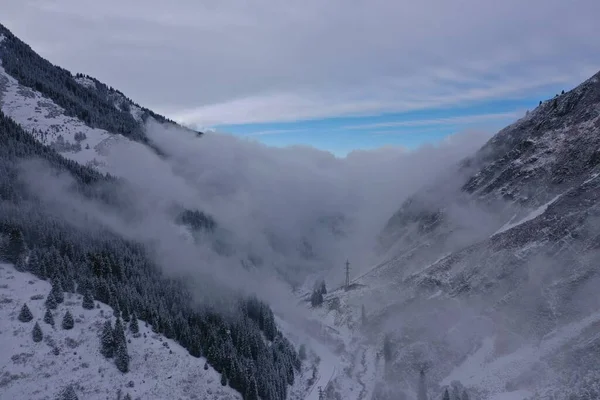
51 302
223 379
37 333
68 393
387 348
119 333
122 357
465 395
16 248
88 300
363 315
48 317
107 341
68 322
25 314
133 325
127 397
302 352
57 291
446 395
422 393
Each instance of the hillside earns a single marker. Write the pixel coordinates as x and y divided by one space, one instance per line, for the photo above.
489 277
48 119
159 368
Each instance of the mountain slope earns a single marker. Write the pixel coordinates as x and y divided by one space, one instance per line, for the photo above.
159 367
77 115
490 275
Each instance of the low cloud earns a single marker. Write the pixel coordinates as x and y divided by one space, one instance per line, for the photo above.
294 212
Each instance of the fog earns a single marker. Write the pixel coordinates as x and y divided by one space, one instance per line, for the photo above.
291 214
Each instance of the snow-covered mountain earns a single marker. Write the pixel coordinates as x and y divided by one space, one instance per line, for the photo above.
489 276
55 131
77 115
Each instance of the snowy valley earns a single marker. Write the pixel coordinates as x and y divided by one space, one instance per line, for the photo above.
472 278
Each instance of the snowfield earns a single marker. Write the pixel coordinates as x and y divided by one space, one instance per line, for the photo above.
160 369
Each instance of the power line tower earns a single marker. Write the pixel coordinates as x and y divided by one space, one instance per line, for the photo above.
347 274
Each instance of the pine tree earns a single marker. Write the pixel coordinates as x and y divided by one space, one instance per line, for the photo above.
68 393
302 352
363 315
323 288
387 348
316 298
68 322
51 302
88 301
127 397
57 291
122 358
223 379
446 395
133 325
465 395
25 314
48 318
16 248
37 333
422 394
107 341
119 333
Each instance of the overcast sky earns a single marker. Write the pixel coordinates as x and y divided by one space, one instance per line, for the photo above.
249 66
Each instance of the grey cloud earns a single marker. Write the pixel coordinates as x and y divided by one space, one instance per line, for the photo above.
351 56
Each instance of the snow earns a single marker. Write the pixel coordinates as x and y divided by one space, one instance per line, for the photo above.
516 395
326 367
48 123
591 178
2 37
491 374
136 112
159 368
532 215
86 82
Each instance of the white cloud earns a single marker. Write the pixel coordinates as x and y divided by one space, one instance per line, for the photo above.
236 62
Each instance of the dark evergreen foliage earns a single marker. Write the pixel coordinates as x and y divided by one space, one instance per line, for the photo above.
25 314
107 341
48 317
50 302
68 322
388 351
37 333
316 298
363 315
57 291
88 300
197 220
94 106
119 333
223 379
122 357
118 272
16 249
302 352
133 325
446 395
422 389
